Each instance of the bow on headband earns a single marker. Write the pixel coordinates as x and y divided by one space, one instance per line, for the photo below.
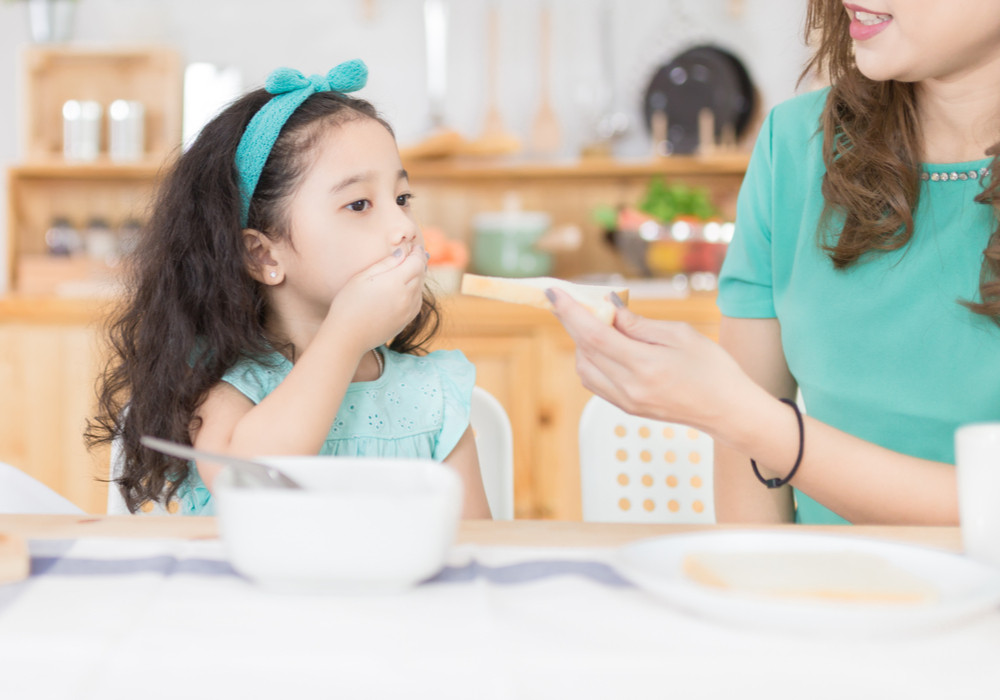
290 89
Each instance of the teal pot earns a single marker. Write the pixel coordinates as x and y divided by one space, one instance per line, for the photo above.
504 244
51 20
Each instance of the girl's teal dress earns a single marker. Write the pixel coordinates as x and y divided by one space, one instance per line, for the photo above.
881 350
418 408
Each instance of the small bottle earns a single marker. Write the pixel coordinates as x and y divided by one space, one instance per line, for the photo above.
62 240
100 242
128 236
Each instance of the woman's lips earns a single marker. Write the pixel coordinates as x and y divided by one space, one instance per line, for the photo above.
865 24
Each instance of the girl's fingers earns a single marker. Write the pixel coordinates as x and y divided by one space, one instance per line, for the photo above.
411 258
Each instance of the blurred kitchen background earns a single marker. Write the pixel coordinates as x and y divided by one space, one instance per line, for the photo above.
587 139
492 68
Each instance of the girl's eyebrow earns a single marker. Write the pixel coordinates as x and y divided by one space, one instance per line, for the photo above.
362 177
352 180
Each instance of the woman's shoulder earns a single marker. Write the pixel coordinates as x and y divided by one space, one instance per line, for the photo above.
805 107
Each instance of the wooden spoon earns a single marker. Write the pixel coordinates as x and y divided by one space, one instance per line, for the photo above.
545 133
494 139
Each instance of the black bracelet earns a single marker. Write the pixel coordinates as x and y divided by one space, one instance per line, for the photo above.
777 483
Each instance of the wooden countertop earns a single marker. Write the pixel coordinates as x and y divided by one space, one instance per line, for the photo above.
472 313
554 533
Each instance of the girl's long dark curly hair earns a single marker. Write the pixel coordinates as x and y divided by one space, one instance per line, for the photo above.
872 150
191 308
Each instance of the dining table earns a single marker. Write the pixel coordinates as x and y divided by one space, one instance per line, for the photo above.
149 607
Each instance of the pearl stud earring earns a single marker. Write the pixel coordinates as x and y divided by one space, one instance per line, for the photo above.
273 274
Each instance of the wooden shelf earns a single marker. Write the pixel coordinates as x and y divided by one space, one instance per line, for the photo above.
436 170
46 310
101 169
600 168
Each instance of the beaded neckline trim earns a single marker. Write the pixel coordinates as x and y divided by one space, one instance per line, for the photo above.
955 175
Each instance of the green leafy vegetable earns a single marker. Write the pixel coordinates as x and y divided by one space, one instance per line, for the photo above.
667 202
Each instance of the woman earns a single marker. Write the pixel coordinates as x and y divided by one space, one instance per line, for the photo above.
864 273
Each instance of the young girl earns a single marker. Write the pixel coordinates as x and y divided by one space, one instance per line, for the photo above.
278 304
865 272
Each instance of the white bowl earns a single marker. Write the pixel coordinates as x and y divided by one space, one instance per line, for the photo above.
358 525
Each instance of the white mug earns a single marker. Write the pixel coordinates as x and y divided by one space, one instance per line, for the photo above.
977 463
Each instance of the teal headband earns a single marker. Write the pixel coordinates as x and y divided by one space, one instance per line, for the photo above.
290 89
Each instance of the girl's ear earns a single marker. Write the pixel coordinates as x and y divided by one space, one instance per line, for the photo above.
263 266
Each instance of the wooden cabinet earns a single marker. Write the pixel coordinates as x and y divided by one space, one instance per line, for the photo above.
39 193
47 187
50 354
49 358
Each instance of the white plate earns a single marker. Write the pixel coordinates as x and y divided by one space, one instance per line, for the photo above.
966 587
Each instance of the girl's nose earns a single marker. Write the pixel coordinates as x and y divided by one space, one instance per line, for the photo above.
404 230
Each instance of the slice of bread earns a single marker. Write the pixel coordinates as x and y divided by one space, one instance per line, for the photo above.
531 291
829 575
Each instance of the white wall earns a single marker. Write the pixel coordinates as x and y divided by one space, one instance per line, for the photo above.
313 35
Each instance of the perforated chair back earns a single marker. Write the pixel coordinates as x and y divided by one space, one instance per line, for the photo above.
21 493
495 444
636 469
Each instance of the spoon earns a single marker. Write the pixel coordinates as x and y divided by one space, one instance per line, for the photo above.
246 472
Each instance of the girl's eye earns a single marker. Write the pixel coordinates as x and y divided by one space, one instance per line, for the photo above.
360 205
404 199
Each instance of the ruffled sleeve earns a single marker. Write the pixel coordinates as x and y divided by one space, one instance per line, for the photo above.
458 376
255 378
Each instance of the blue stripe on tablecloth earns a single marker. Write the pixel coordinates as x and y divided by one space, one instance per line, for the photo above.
165 565
530 571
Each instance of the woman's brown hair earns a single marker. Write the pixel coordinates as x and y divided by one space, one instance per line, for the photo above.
872 150
192 309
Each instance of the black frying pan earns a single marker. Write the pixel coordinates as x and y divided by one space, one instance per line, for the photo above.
700 77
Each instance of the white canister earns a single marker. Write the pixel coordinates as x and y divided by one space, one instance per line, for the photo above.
126 119
81 129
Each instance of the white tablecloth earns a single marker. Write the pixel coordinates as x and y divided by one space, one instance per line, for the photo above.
118 618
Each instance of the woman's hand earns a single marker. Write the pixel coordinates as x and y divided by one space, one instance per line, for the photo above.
379 302
659 369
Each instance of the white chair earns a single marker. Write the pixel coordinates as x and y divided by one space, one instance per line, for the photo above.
636 469
116 502
20 493
495 444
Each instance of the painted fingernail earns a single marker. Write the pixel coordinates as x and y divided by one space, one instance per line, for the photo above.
617 300
550 295
398 253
